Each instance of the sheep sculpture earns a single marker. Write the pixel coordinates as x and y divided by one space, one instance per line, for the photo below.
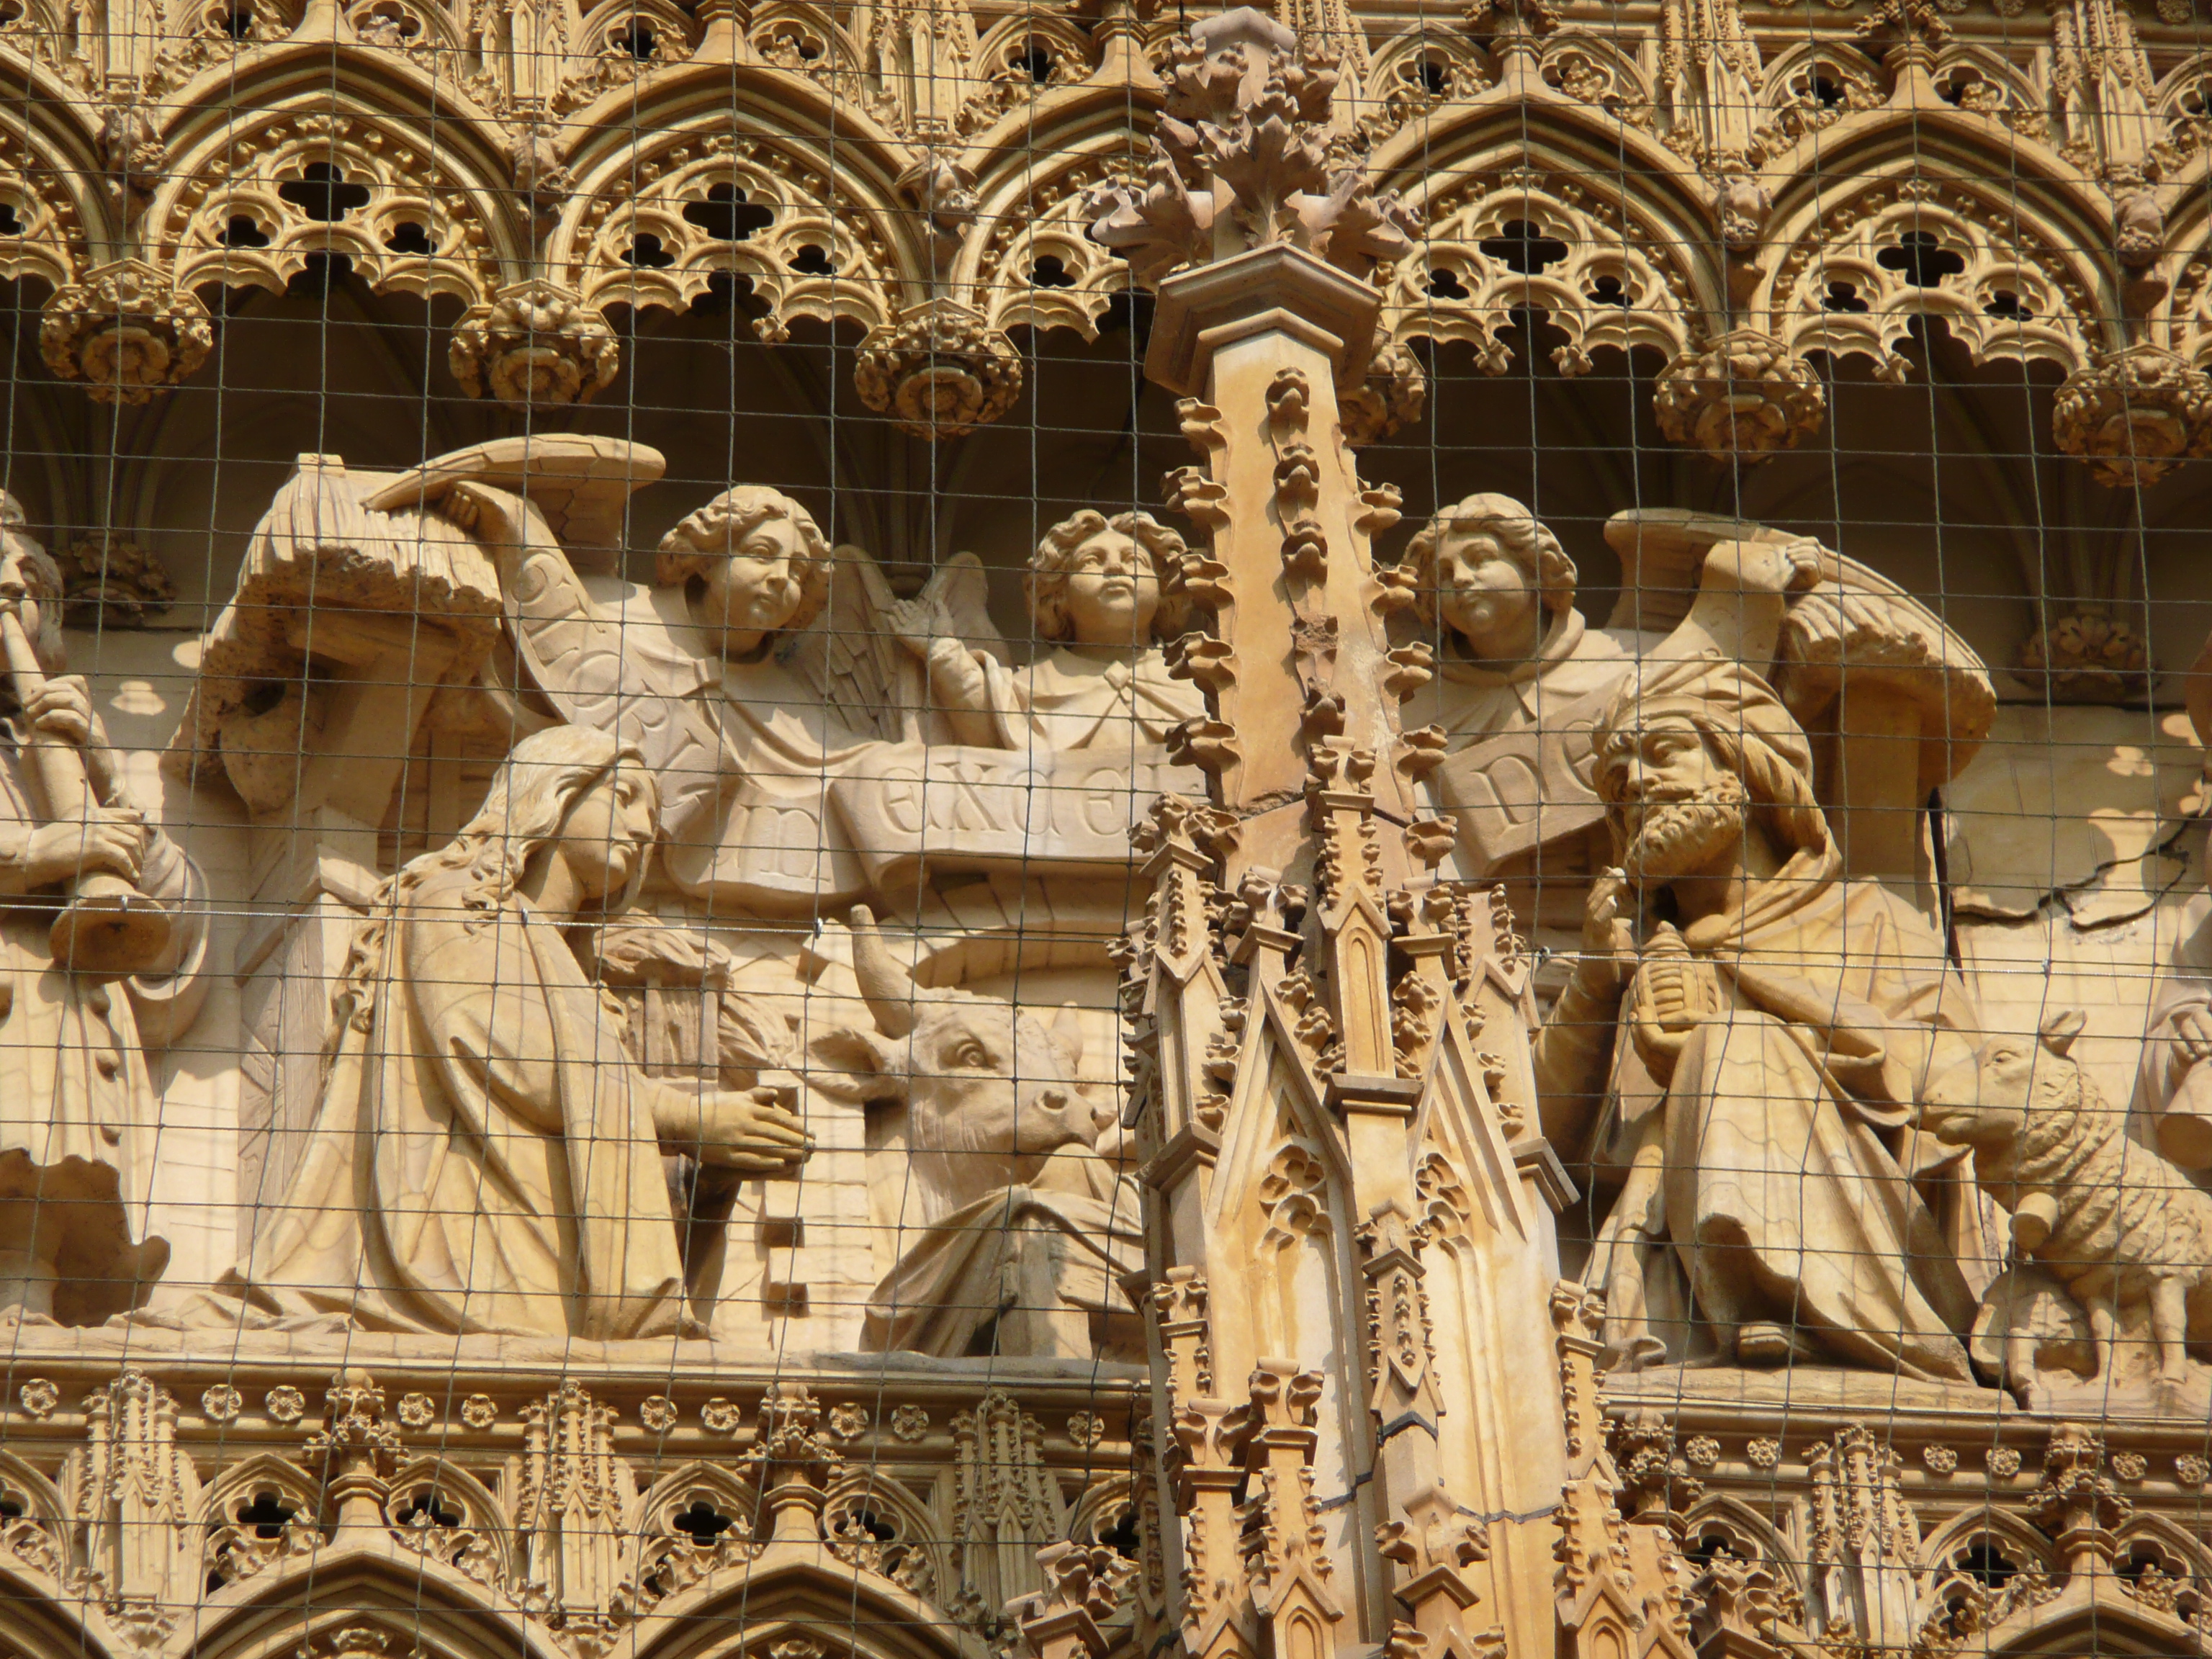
2124 1230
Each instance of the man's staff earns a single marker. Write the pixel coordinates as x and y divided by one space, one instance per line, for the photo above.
109 928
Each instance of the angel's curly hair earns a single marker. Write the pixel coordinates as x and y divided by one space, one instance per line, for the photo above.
1046 584
705 538
1526 539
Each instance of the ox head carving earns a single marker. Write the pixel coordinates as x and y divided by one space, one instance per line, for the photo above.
990 1090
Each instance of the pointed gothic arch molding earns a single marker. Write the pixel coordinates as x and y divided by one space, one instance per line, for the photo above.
2097 1620
1016 111
2020 1543
745 1611
59 218
252 205
655 222
375 1582
48 1620
1751 1535
1546 128
1922 234
1030 210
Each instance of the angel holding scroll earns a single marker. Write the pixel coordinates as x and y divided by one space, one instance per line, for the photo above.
76 1099
759 663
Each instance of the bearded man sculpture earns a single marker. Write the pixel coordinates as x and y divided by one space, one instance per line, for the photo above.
486 1153
1780 1023
1520 680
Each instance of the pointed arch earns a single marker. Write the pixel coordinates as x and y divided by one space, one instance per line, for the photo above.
1751 1536
55 219
1030 208
440 1508
2020 1542
2095 1618
1898 214
1533 215
874 1522
364 1581
309 153
683 191
798 1591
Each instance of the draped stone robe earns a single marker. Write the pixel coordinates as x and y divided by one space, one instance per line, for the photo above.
483 1158
1767 1180
77 1104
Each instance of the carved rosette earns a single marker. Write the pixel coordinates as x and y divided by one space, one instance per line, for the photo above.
2089 656
1744 396
535 342
2133 414
1391 399
940 371
126 331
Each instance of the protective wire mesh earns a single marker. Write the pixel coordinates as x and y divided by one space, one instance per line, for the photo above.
590 642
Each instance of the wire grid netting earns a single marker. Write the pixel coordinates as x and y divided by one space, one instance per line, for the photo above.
658 934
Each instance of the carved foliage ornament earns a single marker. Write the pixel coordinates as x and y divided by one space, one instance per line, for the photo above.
2133 414
940 371
1745 397
1242 161
126 331
534 344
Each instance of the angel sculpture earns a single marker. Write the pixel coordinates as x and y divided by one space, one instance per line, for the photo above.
1103 591
757 665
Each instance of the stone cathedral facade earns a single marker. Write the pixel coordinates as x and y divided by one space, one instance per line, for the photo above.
929 829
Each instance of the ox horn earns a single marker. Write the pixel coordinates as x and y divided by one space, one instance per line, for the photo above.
1067 1031
887 987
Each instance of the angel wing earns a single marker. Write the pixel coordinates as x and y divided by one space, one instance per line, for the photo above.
852 657
623 673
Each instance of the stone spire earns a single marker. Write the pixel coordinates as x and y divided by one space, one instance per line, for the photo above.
1306 991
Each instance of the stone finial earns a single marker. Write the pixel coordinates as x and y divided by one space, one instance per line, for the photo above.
1242 161
1082 1588
792 1461
359 1452
126 331
940 371
534 343
1744 396
2132 414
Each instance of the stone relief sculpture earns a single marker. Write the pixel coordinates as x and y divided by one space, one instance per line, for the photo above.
757 665
77 1106
2118 1225
1026 1219
1101 592
1776 1026
1520 679
486 1157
